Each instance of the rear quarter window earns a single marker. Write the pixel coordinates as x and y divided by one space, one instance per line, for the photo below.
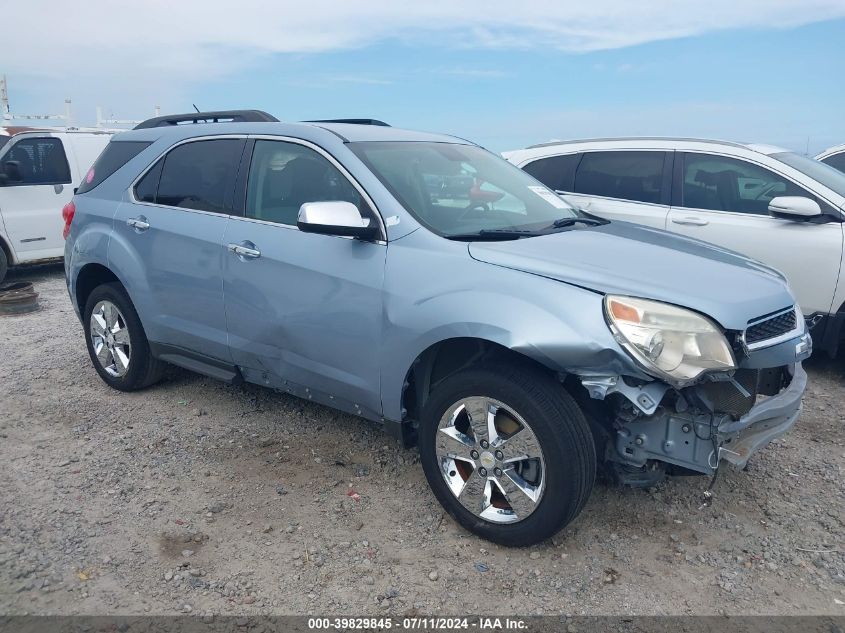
114 156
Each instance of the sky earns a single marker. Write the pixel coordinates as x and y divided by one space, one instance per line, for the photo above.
504 74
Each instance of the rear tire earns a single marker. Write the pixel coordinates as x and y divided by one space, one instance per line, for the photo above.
116 341
485 482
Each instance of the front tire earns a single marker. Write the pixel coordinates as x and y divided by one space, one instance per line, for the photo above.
4 265
116 341
507 452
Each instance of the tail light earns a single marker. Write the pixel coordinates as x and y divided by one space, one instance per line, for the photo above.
68 212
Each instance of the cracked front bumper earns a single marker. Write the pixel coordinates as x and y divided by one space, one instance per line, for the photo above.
765 422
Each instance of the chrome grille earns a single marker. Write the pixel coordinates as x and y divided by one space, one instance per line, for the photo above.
771 327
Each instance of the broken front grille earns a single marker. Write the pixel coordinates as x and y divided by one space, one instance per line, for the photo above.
771 327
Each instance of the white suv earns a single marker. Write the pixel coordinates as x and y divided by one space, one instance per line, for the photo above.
38 170
765 202
834 156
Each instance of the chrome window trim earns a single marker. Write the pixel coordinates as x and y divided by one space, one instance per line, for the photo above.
798 330
262 137
657 205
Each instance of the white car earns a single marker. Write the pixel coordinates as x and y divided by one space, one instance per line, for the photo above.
834 156
38 170
768 203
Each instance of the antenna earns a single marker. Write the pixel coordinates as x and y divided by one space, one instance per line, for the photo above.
195 107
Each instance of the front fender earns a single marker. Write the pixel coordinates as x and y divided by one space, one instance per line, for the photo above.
434 292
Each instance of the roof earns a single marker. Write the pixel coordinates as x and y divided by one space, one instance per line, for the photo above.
651 142
831 150
346 132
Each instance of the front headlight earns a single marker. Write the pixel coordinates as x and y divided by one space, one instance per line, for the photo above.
670 342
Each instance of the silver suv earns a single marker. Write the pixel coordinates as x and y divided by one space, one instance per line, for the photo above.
423 283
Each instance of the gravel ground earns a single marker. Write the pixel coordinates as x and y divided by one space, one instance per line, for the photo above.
194 496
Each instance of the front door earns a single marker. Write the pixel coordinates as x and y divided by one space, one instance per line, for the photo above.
31 200
303 311
725 201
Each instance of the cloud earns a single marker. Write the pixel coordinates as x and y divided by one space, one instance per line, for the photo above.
200 40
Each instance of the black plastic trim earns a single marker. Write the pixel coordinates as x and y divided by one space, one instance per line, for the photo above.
228 116
198 363
351 121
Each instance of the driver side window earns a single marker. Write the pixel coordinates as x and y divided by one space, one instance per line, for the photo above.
718 183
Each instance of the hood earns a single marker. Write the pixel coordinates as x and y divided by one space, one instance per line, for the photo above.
638 261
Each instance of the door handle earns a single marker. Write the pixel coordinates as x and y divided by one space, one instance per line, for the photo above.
244 250
140 223
690 221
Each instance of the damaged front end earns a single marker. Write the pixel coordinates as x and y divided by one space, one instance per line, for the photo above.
677 425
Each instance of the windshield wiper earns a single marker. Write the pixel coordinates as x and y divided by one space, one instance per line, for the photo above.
564 222
494 234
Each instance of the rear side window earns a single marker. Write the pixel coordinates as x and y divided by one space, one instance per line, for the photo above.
196 175
634 176
837 161
556 172
114 156
37 161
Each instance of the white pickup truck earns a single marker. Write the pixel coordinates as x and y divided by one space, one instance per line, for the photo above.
38 170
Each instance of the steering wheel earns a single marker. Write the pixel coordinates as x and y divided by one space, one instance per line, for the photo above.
474 205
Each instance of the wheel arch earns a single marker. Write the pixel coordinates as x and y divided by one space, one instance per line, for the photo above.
89 277
448 356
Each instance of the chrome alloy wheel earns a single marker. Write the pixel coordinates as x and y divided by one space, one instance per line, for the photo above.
110 338
490 459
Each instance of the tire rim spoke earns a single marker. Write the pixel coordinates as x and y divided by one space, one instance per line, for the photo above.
522 497
121 337
475 493
520 446
453 443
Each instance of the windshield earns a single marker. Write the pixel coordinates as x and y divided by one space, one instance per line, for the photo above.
3 140
825 174
463 190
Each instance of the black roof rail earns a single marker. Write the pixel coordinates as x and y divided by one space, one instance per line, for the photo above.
221 116
353 121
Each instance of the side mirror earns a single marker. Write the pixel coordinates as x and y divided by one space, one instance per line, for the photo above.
12 171
335 218
794 208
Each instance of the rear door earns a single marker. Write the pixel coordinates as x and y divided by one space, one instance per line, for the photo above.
304 311
31 200
725 200
170 234
629 185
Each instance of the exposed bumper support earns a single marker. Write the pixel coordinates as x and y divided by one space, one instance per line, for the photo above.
765 422
697 440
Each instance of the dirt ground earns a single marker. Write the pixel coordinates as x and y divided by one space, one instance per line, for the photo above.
194 496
